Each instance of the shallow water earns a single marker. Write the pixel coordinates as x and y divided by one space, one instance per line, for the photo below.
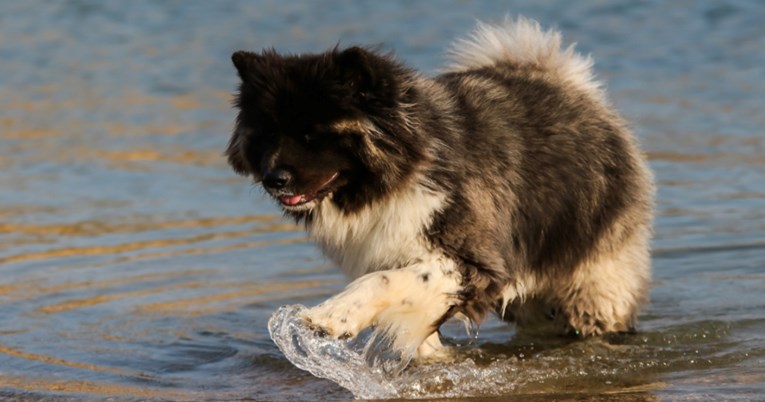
135 265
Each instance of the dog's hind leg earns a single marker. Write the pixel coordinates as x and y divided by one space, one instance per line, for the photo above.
407 305
605 292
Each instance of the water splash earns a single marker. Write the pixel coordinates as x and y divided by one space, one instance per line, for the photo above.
472 328
367 367
623 363
361 367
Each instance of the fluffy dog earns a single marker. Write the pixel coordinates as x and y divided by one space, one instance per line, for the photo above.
507 183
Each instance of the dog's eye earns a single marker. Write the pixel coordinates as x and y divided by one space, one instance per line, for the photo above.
267 135
312 138
319 139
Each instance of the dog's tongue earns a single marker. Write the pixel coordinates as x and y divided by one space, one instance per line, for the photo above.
291 199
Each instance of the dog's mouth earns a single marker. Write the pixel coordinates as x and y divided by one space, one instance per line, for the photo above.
305 201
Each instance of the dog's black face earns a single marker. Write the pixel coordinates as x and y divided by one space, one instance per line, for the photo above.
300 170
313 126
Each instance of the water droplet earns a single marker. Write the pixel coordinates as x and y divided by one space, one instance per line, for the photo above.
472 329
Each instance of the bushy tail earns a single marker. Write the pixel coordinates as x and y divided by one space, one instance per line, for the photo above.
522 41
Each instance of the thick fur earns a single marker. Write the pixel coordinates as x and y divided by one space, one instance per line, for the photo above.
506 183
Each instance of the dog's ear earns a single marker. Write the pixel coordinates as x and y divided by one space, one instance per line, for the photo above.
235 150
361 71
242 61
251 66
355 66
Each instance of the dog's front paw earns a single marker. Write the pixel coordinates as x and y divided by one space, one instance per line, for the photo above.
351 311
339 317
405 305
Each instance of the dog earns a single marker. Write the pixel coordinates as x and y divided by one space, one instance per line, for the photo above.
507 183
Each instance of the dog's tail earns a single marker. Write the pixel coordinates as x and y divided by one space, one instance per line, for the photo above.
523 42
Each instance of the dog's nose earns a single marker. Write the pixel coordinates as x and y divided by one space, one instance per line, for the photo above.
277 178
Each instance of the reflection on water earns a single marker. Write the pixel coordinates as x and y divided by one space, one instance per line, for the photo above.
135 265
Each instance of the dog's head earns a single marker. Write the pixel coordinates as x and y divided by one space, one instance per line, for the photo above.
318 125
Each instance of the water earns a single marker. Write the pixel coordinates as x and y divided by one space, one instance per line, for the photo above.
135 265
492 370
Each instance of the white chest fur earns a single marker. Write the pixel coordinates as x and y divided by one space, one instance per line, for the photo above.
384 235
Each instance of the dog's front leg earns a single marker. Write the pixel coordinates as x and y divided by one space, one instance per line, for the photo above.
406 304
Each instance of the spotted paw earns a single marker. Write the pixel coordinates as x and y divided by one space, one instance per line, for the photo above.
339 318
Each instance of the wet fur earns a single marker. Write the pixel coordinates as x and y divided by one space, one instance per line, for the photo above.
508 178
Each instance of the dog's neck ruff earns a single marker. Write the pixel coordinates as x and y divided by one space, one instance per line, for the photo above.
386 234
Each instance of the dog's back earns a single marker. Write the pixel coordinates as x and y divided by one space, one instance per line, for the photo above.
551 199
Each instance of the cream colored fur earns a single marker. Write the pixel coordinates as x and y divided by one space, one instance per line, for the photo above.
604 289
404 303
383 235
524 42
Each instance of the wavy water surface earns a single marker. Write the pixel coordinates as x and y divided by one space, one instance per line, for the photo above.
135 265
